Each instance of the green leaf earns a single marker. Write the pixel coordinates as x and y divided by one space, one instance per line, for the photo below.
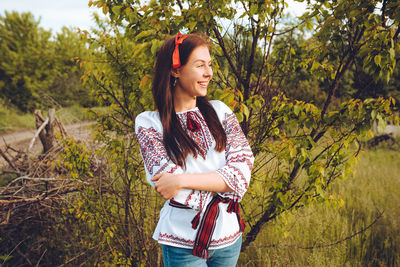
143 34
377 60
296 109
373 114
253 9
315 65
392 53
116 10
311 141
154 46
239 116
387 77
5 257
192 25
292 152
246 111
105 9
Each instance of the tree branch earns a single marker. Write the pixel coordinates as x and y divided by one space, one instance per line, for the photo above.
227 55
396 34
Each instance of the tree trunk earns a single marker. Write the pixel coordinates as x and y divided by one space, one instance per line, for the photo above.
47 134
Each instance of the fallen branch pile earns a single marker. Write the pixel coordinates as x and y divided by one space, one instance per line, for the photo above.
33 183
35 194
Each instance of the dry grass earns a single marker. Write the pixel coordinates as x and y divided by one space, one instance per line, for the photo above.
308 237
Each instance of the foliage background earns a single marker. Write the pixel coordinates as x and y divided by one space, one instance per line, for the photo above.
306 93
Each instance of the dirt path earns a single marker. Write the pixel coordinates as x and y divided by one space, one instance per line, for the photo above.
20 139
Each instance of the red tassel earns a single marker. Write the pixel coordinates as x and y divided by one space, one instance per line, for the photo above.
202 253
242 224
192 125
195 221
233 206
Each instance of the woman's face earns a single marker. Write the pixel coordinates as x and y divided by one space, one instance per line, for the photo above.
194 76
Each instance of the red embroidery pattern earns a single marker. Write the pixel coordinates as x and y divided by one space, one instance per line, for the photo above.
203 198
189 198
196 199
174 169
235 179
200 134
245 157
237 152
234 134
215 243
226 240
153 151
175 240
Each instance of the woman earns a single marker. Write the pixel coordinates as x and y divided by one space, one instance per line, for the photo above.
196 157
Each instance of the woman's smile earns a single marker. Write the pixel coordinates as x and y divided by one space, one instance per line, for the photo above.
203 84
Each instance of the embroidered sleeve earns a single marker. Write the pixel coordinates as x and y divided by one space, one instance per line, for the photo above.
154 155
239 158
156 160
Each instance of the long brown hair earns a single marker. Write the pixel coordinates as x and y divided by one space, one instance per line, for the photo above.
177 142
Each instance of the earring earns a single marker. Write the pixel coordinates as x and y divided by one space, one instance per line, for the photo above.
174 83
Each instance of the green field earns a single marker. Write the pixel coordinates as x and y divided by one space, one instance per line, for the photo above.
339 235
13 120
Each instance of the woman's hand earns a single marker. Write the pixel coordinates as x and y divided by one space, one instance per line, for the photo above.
167 185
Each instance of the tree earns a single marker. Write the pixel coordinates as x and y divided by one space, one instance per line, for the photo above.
34 67
25 56
67 87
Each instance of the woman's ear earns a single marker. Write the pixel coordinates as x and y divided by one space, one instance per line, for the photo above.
175 72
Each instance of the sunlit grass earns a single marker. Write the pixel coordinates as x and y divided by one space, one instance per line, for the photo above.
13 120
76 113
309 236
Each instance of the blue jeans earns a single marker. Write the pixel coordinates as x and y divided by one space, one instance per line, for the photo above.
182 257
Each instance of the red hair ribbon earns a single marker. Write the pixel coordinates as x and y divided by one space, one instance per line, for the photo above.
176 62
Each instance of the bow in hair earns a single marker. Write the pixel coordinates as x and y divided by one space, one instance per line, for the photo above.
176 62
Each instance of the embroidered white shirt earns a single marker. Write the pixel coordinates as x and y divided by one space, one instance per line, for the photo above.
235 164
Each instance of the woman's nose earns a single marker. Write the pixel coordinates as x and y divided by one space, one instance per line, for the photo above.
208 71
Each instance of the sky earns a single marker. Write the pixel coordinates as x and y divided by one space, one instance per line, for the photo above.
54 14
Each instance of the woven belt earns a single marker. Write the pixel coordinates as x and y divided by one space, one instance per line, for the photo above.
207 225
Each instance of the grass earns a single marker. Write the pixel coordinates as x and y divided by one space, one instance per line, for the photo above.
76 113
374 189
13 120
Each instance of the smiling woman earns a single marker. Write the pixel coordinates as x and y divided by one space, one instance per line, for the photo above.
196 157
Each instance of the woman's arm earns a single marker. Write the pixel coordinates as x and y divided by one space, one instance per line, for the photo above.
152 150
168 185
233 178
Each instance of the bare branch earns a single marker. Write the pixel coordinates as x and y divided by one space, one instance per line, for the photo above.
227 55
37 134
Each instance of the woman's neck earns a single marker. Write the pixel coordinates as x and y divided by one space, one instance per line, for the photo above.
183 104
